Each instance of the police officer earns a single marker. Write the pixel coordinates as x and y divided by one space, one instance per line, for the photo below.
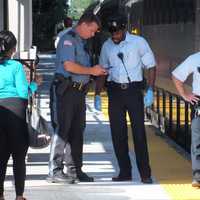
69 89
191 66
124 55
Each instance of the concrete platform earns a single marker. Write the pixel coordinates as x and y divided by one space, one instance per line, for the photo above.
99 162
170 169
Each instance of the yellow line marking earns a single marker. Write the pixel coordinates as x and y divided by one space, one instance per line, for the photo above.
171 170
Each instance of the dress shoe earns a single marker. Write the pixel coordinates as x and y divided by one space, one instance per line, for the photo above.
122 178
2 198
147 180
60 177
83 177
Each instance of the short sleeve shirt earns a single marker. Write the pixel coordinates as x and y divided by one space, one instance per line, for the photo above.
136 55
72 48
190 66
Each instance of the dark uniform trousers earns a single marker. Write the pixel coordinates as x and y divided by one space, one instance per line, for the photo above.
120 101
70 116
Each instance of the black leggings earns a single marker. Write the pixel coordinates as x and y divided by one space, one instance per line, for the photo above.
13 141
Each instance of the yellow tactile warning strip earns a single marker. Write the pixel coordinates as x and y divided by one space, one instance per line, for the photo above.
171 170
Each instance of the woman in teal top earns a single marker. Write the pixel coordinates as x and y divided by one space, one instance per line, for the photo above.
13 101
13 82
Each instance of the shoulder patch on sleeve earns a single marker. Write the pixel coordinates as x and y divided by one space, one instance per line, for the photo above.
67 43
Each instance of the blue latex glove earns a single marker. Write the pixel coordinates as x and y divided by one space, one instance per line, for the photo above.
148 98
97 102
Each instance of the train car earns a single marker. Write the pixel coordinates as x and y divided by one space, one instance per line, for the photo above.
172 29
169 26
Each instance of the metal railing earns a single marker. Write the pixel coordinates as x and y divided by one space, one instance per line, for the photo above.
170 114
30 66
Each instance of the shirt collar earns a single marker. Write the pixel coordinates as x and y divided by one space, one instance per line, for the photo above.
127 39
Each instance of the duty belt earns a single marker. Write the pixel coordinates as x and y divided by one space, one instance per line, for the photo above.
65 83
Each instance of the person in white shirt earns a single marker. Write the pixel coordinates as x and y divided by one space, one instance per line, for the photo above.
191 66
124 56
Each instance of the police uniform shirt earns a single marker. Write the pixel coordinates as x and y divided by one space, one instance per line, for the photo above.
190 66
72 48
136 55
60 34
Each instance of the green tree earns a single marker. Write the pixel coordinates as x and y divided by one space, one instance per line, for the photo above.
77 8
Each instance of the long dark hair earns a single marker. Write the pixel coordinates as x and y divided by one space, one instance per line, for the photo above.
7 43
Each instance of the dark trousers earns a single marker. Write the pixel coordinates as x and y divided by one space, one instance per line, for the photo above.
122 101
70 114
13 141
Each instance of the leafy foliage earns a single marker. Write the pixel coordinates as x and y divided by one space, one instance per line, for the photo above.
48 13
77 8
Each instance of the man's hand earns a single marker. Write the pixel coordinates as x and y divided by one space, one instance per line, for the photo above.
148 98
190 97
98 70
97 102
187 96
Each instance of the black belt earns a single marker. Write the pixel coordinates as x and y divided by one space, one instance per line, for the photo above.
124 86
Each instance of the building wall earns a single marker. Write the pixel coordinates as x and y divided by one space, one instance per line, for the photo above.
20 22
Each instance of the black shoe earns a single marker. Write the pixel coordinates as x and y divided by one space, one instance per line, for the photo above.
60 177
147 180
122 178
83 177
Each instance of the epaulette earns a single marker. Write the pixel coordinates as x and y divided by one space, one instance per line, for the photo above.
72 33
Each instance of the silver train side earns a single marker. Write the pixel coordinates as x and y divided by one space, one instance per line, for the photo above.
170 29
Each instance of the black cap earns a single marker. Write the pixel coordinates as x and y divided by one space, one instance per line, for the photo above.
117 22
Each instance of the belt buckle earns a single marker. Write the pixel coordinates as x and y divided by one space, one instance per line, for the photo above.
124 86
